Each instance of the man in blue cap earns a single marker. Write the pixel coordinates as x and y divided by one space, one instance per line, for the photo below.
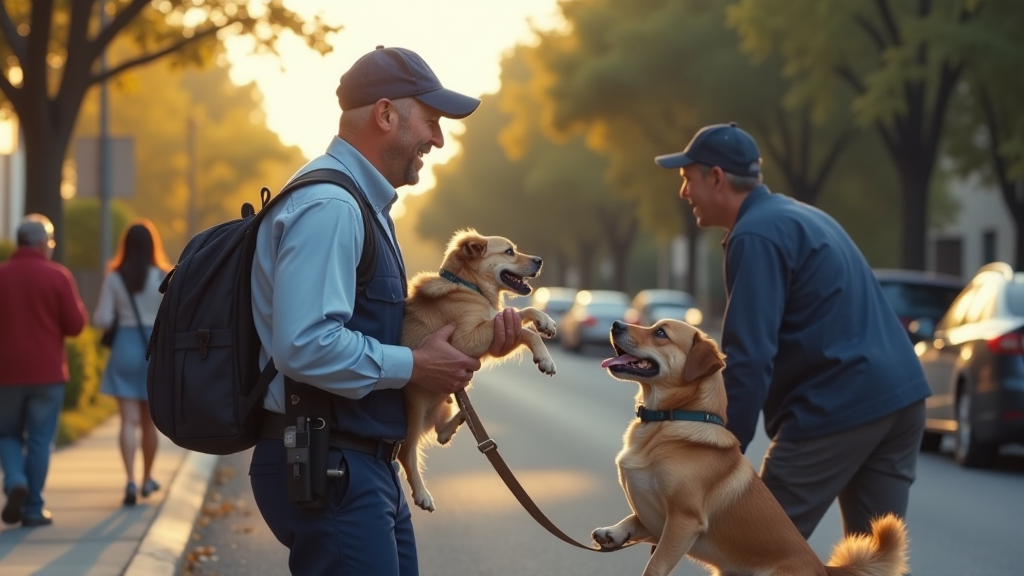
809 339
323 332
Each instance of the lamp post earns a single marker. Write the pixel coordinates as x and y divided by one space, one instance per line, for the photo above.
104 155
8 145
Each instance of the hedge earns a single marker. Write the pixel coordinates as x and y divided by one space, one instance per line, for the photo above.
84 406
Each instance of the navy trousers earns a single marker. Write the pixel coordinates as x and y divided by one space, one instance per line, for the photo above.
365 529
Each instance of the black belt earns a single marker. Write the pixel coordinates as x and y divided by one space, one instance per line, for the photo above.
274 424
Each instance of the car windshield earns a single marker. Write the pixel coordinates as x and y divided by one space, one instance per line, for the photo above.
554 305
670 298
1015 298
911 301
607 309
668 311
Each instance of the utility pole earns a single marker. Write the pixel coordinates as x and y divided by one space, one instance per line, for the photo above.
104 156
193 178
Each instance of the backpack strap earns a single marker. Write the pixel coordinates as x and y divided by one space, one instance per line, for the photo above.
368 259
365 270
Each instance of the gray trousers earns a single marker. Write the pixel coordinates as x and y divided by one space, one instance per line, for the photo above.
869 468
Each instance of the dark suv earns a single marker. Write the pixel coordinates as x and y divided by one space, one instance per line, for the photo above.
973 359
914 294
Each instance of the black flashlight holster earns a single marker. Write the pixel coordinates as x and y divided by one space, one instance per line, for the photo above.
306 439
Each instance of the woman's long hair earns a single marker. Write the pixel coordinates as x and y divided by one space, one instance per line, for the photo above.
139 249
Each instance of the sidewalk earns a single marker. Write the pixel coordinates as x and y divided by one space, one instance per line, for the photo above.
93 533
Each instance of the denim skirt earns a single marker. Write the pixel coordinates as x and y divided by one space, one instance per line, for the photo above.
125 374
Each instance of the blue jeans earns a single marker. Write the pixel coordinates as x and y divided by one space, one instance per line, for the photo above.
28 425
366 527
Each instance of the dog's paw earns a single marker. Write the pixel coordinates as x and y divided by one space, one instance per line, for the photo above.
423 499
545 327
607 539
445 435
546 365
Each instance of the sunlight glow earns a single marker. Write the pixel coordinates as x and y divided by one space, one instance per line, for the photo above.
462 41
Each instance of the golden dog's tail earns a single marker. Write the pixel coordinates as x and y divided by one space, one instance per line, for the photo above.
882 553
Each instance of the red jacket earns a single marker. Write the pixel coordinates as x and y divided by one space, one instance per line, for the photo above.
39 306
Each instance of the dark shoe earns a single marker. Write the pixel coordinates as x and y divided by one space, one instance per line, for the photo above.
44 519
16 497
148 487
130 492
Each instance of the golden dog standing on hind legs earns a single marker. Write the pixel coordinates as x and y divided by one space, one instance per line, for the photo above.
466 292
691 490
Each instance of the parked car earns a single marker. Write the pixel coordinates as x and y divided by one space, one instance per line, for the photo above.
655 304
973 359
554 301
591 317
914 294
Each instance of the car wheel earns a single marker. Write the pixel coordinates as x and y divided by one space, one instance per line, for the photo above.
931 442
968 452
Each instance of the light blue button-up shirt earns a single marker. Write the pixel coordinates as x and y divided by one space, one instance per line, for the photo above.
304 286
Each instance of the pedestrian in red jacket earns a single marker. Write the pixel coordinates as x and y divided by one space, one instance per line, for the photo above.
39 307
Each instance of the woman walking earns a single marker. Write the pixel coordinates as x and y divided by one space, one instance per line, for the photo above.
128 302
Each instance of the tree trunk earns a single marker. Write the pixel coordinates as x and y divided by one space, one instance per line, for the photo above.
692 238
620 246
44 160
587 249
915 178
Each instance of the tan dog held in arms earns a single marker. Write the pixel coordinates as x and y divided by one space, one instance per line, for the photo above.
483 267
691 490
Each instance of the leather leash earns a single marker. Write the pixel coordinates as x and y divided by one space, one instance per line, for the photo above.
490 449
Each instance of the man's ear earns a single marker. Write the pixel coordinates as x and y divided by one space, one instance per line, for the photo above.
703 360
385 115
472 247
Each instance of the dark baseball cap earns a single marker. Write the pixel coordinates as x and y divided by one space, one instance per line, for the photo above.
395 73
723 145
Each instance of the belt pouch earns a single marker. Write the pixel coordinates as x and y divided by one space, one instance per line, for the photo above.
306 438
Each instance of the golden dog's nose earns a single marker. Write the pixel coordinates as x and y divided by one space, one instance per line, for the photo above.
618 327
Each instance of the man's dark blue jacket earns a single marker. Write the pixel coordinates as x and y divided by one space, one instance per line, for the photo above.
809 336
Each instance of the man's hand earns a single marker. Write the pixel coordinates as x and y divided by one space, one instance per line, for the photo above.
439 366
508 326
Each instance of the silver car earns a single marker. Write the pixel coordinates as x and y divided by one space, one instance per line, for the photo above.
591 317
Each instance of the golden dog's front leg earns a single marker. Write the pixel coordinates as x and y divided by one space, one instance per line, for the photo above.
541 356
541 321
677 538
630 529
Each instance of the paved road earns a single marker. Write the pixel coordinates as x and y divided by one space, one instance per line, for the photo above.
560 436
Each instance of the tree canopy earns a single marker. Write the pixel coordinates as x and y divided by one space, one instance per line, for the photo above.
50 52
901 61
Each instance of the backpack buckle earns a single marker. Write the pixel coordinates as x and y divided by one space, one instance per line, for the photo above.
204 342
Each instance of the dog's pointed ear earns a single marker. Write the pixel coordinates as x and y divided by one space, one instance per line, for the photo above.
703 360
472 247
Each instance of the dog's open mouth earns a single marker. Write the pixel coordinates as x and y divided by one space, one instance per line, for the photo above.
516 283
626 363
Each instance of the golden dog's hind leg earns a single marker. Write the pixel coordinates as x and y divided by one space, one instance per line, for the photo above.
445 430
410 457
676 540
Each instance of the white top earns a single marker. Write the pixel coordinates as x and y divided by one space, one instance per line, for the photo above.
114 297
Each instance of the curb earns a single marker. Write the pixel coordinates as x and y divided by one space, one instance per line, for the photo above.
162 548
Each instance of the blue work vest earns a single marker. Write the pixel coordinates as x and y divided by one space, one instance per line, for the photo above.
378 313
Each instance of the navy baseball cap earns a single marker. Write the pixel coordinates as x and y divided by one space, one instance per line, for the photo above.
722 145
395 73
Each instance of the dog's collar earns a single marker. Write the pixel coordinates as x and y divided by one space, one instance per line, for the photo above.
455 279
646 415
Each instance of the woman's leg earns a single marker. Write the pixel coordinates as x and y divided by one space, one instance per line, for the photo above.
150 440
130 415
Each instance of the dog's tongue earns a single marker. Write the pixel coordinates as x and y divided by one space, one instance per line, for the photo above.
624 359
